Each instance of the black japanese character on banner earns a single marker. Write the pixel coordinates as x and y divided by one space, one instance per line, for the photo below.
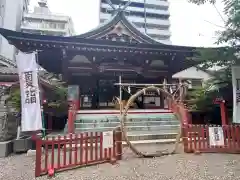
28 79
27 97
33 95
30 93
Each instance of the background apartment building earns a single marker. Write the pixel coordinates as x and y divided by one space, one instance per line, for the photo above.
11 13
42 21
149 16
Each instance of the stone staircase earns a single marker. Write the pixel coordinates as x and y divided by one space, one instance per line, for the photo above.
144 126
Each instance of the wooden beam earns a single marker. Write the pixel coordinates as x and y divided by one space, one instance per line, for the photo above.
65 62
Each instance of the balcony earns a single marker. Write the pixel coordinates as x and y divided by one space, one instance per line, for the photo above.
46 17
156 31
149 20
30 27
138 9
153 2
140 19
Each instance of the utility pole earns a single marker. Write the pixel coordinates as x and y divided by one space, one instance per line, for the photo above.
145 17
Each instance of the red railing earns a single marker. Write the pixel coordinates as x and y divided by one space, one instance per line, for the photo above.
196 139
75 150
182 112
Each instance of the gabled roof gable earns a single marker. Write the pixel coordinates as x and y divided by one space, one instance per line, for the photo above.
118 28
192 73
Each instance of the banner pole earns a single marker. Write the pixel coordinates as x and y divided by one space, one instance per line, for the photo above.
41 99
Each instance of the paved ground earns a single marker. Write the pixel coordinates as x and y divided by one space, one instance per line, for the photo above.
176 167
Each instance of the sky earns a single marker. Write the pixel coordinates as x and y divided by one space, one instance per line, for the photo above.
191 25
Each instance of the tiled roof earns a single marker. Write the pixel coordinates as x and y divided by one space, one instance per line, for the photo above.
9 67
8 70
7 62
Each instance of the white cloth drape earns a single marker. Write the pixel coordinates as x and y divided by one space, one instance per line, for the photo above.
30 98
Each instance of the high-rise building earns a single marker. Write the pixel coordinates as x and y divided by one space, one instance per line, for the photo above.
149 16
11 12
42 21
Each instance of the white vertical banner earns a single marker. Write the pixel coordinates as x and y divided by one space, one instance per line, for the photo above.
236 93
30 98
216 137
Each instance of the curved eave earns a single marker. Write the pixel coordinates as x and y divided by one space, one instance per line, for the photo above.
26 42
119 17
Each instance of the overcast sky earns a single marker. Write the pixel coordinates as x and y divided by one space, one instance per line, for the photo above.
191 25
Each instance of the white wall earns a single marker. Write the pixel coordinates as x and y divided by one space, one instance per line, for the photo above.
192 73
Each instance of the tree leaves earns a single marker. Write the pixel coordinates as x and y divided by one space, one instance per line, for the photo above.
224 56
199 2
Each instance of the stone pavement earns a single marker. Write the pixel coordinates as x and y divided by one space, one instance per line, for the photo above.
175 167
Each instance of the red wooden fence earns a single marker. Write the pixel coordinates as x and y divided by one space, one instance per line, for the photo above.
75 150
196 139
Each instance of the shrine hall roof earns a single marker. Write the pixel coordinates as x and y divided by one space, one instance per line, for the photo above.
117 34
116 37
28 42
118 24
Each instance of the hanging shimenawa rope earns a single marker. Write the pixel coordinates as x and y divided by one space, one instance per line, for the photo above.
124 118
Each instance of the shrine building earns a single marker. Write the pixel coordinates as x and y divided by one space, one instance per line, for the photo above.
91 63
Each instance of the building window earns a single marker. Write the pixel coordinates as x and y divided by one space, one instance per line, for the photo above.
151 26
159 37
53 25
196 83
138 4
61 26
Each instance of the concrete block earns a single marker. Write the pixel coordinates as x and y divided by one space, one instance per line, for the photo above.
6 148
22 145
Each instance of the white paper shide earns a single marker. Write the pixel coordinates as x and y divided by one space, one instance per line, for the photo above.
30 100
216 137
108 139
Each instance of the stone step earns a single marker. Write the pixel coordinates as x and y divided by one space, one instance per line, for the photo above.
129 128
105 117
114 124
157 136
114 118
128 120
134 130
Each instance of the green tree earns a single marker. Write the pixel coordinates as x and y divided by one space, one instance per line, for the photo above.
201 99
223 56
198 2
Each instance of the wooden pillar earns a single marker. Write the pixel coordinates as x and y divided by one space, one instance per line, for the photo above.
71 105
50 122
73 100
70 119
142 102
223 110
223 113
180 91
163 98
65 65
95 98
118 143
